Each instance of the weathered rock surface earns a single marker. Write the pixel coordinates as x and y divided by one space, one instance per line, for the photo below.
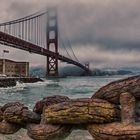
110 115
8 128
49 101
127 129
1 114
3 108
115 131
48 132
112 91
82 111
20 115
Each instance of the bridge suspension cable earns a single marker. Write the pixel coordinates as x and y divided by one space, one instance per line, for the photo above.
68 44
32 34
63 45
31 28
24 18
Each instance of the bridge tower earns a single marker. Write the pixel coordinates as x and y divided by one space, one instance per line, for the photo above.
52 43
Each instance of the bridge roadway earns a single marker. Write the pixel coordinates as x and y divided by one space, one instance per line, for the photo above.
9 40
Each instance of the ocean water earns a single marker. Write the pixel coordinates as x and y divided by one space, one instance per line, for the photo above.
73 87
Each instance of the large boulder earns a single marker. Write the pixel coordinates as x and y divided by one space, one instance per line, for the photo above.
112 91
8 128
1 114
48 131
82 111
127 129
115 131
19 114
49 101
4 107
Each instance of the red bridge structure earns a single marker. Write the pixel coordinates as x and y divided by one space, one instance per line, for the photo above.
38 33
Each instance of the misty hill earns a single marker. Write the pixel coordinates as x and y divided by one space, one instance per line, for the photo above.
38 71
75 71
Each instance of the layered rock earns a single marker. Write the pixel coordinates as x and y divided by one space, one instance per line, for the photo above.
1 114
8 128
82 111
49 101
111 114
112 91
18 114
127 129
48 131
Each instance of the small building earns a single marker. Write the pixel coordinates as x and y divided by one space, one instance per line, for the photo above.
13 68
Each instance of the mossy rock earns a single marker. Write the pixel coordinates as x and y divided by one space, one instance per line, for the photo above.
82 111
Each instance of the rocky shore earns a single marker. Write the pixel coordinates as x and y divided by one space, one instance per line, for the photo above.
10 82
112 113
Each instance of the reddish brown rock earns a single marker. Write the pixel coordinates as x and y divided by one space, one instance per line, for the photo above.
20 115
48 132
3 108
127 129
49 101
1 114
115 131
112 91
82 111
8 128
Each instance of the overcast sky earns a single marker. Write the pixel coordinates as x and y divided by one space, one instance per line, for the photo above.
104 32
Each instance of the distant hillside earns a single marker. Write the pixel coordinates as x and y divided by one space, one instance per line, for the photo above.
37 71
75 71
98 72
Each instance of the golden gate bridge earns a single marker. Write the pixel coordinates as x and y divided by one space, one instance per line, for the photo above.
38 33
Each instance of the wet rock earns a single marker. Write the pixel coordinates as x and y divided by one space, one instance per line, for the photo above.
48 132
112 91
20 115
8 128
49 101
7 82
82 111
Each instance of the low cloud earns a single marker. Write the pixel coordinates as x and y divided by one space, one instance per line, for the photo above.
105 33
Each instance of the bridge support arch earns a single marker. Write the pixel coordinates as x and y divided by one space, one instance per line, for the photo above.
52 43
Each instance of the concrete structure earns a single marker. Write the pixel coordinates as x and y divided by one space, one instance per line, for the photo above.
13 68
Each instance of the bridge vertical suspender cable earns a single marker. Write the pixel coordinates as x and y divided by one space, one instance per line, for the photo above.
29 34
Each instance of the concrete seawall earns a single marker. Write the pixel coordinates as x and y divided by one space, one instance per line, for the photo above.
10 82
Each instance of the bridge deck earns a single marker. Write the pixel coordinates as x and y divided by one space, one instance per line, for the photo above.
18 43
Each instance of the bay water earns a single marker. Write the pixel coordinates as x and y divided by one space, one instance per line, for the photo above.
73 87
